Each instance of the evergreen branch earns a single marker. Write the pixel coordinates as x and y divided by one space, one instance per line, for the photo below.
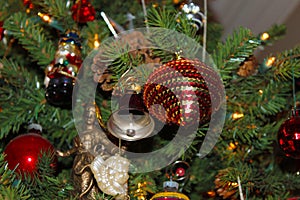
90 31
7 8
31 36
10 187
271 185
169 19
57 10
44 185
276 32
161 18
287 64
54 8
23 102
236 49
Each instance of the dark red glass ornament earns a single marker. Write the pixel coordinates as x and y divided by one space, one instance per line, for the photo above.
83 11
1 30
178 93
289 135
25 150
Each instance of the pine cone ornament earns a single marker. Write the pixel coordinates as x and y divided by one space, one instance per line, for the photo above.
225 189
248 67
100 67
181 92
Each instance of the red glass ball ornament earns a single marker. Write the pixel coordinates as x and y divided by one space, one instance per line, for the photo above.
25 150
180 172
83 11
177 92
289 136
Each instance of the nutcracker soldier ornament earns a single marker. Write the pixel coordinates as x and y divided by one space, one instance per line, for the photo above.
62 72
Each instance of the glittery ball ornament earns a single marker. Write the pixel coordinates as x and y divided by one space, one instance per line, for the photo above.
289 135
83 11
177 92
24 151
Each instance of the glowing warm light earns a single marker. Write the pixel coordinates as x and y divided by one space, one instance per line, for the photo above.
234 184
260 92
265 36
298 173
211 193
270 61
237 115
96 42
232 145
45 17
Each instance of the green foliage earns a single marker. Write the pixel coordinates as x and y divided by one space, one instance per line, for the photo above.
245 148
57 10
233 52
44 185
10 186
169 19
276 32
23 101
287 65
31 35
9 7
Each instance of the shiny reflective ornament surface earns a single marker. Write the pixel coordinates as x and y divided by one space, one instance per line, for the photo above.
24 151
130 124
289 135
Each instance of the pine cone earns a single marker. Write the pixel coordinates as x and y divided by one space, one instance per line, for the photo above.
227 190
137 43
248 67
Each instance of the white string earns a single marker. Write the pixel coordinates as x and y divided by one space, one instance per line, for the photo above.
145 14
240 188
110 26
204 31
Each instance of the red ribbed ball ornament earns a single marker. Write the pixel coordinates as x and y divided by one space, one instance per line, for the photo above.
24 151
289 135
181 92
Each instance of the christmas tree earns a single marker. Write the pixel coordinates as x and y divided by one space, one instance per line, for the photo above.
143 100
